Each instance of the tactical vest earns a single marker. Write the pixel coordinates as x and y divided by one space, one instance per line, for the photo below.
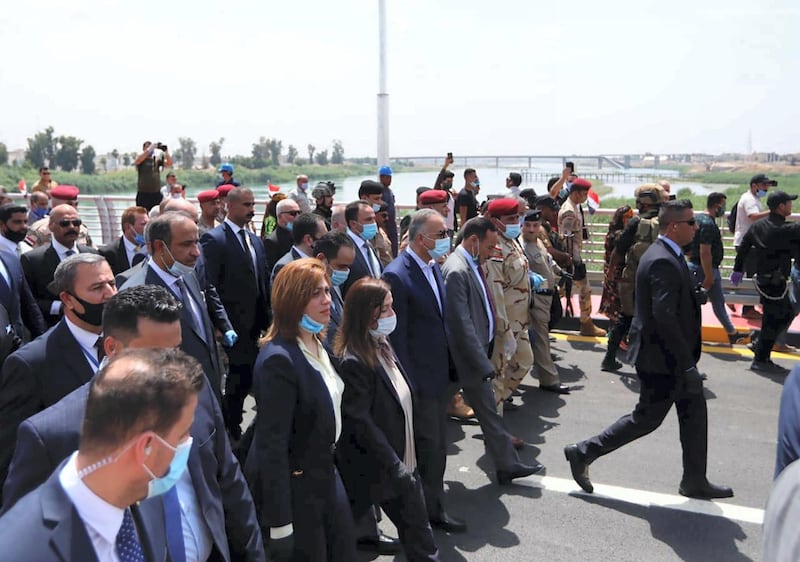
646 234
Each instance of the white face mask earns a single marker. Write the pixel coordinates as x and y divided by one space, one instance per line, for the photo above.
385 327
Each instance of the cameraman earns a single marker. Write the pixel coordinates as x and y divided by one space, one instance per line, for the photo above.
148 164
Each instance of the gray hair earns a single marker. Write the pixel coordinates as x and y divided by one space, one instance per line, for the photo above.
418 221
160 228
67 271
283 204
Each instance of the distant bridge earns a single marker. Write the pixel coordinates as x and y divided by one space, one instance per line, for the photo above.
617 161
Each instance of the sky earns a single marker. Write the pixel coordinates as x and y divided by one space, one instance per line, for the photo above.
509 77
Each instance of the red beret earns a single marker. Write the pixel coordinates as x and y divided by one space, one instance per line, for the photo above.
65 192
503 207
223 190
206 196
581 183
433 196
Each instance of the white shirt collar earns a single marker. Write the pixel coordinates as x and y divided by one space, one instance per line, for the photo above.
470 261
95 512
85 338
130 247
8 245
418 259
61 249
359 242
233 226
301 252
168 279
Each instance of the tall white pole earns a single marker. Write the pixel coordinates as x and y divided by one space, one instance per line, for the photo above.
383 94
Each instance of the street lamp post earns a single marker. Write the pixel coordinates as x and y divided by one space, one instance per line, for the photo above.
383 94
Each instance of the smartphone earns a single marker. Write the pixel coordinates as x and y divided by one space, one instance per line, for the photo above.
571 166
450 155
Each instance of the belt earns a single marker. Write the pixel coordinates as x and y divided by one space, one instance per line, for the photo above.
545 292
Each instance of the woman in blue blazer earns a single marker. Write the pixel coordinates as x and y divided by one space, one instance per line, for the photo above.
376 453
299 496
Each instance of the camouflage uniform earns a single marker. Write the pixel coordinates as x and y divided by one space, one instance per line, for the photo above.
39 234
540 262
507 278
570 222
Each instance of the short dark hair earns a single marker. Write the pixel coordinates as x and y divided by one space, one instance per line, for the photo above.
44 169
160 228
370 187
330 244
305 224
670 211
715 198
551 182
148 395
9 209
469 172
449 174
479 226
351 211
122 312
516 178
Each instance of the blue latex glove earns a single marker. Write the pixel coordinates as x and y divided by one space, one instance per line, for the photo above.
230 338
736 278
536 280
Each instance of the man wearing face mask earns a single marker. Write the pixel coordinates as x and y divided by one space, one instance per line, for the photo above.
39 203
337 252
371 192
362 228
42 372
467 199
307 229
323 197
130 248
120 462
507 277
300 194
420 342
572 226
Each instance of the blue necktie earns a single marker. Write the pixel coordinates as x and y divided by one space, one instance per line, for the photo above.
172 522
129 549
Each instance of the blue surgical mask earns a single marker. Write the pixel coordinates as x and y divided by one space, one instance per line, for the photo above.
512 230
476 183
138 239
385 326
376 208
177 269
310 325
563 193
289 226
304 185
339 277
441 247
761 193
369 231
158 486
39 213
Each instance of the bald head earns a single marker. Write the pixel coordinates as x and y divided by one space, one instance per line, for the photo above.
68 216
181 206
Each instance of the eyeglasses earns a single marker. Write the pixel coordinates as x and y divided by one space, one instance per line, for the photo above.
690 222
437 235
74 222
293 213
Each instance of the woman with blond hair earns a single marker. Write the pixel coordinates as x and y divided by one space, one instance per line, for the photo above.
299 496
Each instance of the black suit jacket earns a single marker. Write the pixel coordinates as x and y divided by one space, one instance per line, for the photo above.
359 269
23 311
49 437
39 266
276 245
420 339
286 259
244 295
665 332
116 256
45 527
36 376
199 343
373 438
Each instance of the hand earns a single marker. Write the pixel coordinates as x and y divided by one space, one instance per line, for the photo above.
230 338
448 160
736 278
707 283
281 550
694 381
404 478
565 173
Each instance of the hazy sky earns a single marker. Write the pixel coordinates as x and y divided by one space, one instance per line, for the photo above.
468 76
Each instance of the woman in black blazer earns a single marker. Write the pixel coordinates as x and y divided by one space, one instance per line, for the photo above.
300 501
376 453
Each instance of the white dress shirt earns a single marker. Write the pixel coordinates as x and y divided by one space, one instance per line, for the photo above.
483 287
172 284
7 245
322 363
61 251
427 270
87 341
367 252
236 229
131 249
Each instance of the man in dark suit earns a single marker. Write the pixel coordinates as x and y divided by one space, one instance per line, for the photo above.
130 248
665 347
236 266
40 263
470 331
84 510
173 245
42 372
337 252
280 240
141 317
13 227
307 229
361 227
420 342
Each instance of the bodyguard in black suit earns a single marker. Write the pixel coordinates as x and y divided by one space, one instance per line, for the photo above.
361 227
665 347
236 266
40 263
130 248
42 372
307 229
280 240
17 299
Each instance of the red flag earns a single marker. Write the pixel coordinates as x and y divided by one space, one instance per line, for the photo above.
23 187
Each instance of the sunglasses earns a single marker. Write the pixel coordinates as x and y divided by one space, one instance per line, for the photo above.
293 213
437 235
74 222
690 222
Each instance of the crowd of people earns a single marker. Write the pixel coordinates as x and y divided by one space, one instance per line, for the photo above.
126 367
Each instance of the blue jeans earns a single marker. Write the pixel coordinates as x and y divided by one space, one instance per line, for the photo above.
715 296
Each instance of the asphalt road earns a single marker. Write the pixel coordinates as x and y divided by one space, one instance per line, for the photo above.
551 519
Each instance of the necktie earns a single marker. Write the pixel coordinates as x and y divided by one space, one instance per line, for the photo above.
246 246
137 258
172 522
129 549
69 253
191 308
98 345
374 266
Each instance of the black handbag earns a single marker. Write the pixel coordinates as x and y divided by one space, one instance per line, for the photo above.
579 272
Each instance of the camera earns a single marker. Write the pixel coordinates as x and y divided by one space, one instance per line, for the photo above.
161 146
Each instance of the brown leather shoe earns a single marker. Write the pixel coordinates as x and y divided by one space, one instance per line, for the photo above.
589 329
459 409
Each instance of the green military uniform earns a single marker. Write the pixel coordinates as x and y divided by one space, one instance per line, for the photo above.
540 262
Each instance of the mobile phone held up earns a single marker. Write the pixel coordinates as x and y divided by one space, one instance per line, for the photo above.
571 166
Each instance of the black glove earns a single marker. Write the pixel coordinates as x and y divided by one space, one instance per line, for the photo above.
404 478
281 550
694 381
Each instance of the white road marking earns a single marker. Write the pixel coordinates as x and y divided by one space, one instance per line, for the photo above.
647 499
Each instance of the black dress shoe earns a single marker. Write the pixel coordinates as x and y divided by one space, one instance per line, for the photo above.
558 388
579 467
382 544
448 524
504 477
610 366
707 491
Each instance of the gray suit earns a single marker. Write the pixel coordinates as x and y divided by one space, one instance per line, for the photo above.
467 320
